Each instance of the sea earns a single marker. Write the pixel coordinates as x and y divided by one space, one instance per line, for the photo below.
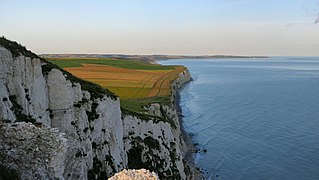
253 119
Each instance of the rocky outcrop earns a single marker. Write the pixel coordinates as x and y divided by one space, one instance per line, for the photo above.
135 175
38 153
100 139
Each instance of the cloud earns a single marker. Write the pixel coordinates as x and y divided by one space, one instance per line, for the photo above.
317 20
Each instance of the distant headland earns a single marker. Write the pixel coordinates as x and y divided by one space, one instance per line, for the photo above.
148 58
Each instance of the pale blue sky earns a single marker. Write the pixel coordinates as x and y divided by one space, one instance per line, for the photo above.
238 27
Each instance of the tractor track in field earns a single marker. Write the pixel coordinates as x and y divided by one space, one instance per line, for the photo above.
144 86
158 85
130 83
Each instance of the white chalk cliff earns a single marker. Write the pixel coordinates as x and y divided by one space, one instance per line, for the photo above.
134 175
78 130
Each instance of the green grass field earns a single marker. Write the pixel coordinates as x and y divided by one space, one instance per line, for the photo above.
136 83
128 64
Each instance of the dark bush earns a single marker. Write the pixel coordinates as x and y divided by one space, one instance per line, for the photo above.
78 154
152 143
94 145
85 129
8 173
17 109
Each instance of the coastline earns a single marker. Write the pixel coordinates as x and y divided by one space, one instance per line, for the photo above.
191 149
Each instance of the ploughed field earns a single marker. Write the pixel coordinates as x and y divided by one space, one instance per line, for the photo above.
136 83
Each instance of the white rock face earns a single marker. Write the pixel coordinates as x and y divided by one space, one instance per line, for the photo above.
23 78
159 159
168 135
99 140
94 145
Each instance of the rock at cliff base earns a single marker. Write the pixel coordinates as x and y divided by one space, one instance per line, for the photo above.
141 174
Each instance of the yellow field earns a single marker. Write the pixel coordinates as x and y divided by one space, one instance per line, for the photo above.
129 83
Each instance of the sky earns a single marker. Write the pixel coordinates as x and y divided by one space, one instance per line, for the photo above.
179 27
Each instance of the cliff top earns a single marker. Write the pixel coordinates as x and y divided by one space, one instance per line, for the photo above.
17 49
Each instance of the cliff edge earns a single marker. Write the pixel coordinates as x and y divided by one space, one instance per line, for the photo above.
90 137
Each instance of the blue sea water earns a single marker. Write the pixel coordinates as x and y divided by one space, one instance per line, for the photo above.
257 118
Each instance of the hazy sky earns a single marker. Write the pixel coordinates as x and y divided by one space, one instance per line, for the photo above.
237 27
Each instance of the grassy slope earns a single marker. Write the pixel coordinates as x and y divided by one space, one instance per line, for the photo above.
137 105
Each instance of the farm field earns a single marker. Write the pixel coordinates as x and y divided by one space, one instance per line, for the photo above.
136 83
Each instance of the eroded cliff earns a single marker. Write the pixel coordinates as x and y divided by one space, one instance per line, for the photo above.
98 139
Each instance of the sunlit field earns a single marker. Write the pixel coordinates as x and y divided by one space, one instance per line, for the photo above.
136 83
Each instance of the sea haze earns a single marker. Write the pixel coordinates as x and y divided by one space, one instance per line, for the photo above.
257 118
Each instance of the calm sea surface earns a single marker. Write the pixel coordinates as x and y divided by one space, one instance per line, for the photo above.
257 118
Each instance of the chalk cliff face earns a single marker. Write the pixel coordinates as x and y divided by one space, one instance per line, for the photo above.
158 144
92 126
91 138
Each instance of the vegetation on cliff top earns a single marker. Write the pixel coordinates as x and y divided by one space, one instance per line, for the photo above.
120 63
137 83
16 49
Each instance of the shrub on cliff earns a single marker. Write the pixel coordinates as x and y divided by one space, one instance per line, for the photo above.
8 173
15 48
